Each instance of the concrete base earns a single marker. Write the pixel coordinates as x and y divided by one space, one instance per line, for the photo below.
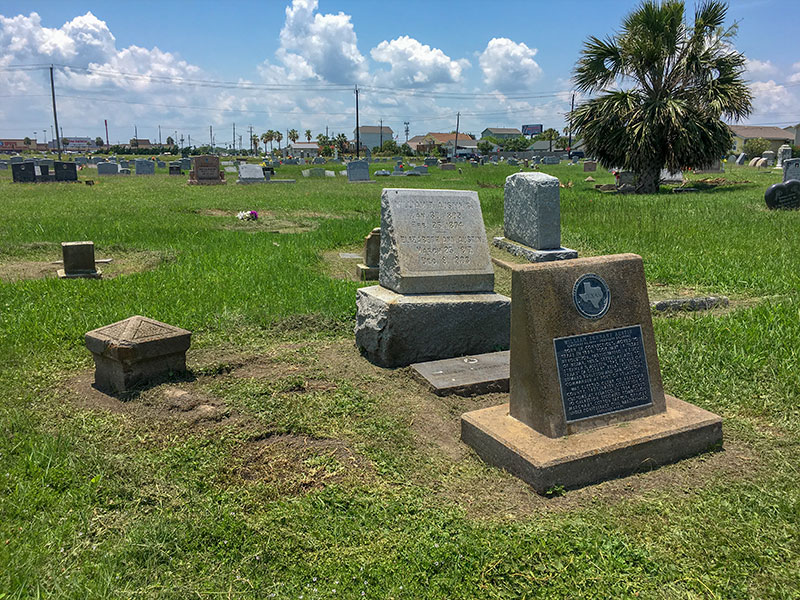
590 456
466 375
531 254
363 181
282 181
98 274
115 377
365 273
395 330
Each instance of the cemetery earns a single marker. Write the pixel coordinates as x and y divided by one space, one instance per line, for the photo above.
554 372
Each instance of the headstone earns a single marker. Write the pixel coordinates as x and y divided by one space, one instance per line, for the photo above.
398 171
784 153
626 178
589 166
513 162
367 154
42 173
301 161
714 167
431 162
124 164
3 165
186 164
206 171
65 171
175 169
81 160
78 261
368 270
753 161
466 375
785 196
23 172
762 162
731 158
435 299
671 177
131 352
107 168
550 160
124 171
740 159
770 156
791 169
586 399
15 160
251 174
358 170
448 167
422 170
319 160
230 170
330 173
161 164
382 173
532 218
145 167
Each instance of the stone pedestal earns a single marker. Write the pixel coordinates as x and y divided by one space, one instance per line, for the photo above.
369 269
128 353
395 330
531 254
586 399
78 261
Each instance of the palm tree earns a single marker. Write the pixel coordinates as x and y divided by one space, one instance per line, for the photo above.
254 142
269 135
265 138
293 135
549 135
665 84
278 138
308 135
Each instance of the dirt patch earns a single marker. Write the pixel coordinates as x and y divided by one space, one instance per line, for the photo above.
335 266
298 464
123 263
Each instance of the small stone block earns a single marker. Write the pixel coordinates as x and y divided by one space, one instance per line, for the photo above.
395 330
366 273
533 255
78 261
466 375
590 456
130 352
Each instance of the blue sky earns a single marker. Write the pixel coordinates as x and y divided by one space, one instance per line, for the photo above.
293 64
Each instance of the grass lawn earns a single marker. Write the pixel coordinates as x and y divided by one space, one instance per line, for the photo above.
287 466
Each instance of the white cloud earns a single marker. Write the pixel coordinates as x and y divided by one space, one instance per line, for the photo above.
769 96
509 66
760 68
415 64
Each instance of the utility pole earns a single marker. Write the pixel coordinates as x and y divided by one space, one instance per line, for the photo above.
159 135
569 144
135 135
55 113
381 146
251 138
406 123
455 143
211 138
240 143
190 140
106 123
326 131
358 136
234 137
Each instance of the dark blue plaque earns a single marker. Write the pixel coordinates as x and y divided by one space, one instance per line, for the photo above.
602 372
591 296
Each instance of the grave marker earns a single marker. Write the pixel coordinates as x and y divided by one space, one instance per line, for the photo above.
78 260
783 196
66 171
251 174
368 270
206 171
791 169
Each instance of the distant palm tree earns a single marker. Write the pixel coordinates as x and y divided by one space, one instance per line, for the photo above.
254 140
308 135
265 139
278 138
665 84
270 136
293 135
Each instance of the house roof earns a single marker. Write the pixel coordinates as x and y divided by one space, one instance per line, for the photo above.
373 129
306 145
466 142
754 131
441 138
502 130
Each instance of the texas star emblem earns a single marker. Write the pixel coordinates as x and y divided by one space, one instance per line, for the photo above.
591 296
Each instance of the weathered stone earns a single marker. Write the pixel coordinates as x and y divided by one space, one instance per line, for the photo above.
466 375
145 167
671 177
791 169
358 171
448 167
128 353
532 210
206 171
584 362
740 159
784 153
78 260
589 166
395 330
251 174
433 241
532 255
369 269
690 304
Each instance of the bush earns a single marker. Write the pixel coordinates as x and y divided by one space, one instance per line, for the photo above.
755 147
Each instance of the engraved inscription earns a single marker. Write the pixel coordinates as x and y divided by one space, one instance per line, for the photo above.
441 236
207 173
602 372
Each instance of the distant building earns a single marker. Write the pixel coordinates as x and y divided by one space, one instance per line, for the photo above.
74 144
501 133
140 143
16 145
303 149
424 144
466 146
371 136
795 132
776 136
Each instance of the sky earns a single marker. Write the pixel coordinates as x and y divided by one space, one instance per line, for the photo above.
281 64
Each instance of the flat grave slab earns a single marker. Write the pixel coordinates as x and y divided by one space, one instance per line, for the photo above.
466 375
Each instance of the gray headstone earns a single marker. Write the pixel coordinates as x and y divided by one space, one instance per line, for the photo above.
161 164
358 170
626 178
668 176
784 153
433 241
740 159
251 174
3 165
107 168
513 162
422 170
532 210
145 167
382 173
550 160
230 169
770 156
175 169
431 162
791 169
15 160
186 164
124 164
589 166
81 160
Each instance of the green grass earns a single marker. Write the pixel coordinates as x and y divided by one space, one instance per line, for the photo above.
373 492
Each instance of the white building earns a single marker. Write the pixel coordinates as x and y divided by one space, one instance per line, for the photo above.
371 136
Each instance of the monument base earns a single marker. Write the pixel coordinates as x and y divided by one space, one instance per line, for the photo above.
594 455
365 273
115 377
98 274
207 182
531 254
395 330
466 375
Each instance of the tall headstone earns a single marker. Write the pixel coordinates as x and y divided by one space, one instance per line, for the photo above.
586 399
532 218
740 159
206 171
358 171
435 299
78 260
784 153
770 156
791 169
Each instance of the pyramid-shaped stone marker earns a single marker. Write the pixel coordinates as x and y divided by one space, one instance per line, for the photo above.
130 352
